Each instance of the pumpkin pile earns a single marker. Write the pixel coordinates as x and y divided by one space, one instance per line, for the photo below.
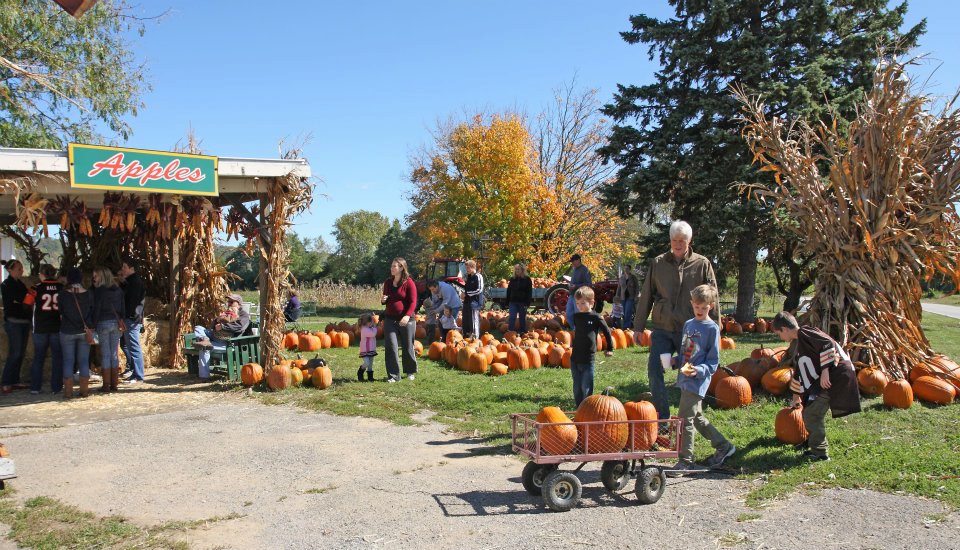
486 355
538 282
289 373
633 427
734 385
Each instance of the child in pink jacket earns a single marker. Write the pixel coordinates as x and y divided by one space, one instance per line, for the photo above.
368 345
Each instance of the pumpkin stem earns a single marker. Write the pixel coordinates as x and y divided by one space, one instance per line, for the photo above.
728 370
607 390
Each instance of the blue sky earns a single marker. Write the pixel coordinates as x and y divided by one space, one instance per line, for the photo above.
369 80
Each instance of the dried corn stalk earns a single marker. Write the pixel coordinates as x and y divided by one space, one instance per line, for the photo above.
285 198
882 218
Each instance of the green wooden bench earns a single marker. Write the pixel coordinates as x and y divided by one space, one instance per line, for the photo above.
225 361
308 308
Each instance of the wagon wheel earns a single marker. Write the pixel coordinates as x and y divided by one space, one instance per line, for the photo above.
556 299
561 491
650 485
533 476
615 474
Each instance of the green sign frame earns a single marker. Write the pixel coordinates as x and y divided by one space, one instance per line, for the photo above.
141 170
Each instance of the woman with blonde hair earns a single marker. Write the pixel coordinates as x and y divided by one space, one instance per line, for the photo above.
108 311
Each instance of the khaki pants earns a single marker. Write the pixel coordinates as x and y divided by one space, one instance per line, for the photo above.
691 410
814 414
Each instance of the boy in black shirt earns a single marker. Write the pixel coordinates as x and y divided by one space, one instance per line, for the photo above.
588 324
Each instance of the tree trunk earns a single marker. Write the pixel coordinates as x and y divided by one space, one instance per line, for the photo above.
747 276
796 288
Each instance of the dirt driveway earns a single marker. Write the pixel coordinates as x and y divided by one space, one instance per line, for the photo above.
173 450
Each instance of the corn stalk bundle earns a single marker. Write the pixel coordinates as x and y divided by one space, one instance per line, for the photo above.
881 218
288 196
203 282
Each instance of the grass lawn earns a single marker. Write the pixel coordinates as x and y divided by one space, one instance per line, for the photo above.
951 300
915 451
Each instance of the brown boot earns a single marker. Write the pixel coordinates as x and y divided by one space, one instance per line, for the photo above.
68 388
114 379
105 374
84 386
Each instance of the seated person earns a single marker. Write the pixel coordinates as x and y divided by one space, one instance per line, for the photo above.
231 323
291 312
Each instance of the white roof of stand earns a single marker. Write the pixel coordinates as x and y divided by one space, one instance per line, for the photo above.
236 176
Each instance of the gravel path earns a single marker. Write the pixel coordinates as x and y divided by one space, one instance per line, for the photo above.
306 480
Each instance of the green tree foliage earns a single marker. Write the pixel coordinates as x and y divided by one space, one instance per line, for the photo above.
358 234
397 242
677 140
64 79
308 258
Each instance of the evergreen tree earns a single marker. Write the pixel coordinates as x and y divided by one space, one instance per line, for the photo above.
677 140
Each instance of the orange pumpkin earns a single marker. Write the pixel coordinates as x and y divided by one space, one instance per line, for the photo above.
722 372
559 439
251 374
565 360
279 377
517 360
555 355
644 434
871 380
477 363
777 381
602 438
933 390
727 343
898 394
325 341
290 340
645 338
562 337
453 336
435 353
296 376
629 337
533 358
322 378
418 348
733 392
950 371
752 370
498 369
308 342
789 426
339 340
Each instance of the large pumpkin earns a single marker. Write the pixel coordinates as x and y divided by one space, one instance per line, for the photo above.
533 358
753 370
517 360
733 392
325 341
477 363
251 374
562 337
950 371
727 343
308 342
322 378
777 380
933 390
453 336
555 355
644 433
789 426
556 440
898 394
645 337
279 378
722 372
602 438
871 380
435 352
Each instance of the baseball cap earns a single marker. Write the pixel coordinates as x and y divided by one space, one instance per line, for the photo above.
574 258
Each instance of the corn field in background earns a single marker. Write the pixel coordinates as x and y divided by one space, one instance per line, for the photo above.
328 294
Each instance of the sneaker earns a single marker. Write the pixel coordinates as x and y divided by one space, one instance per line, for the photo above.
132 381
680 469
34 392
813 457
128 375
802 446
391 380
722 454
202 343
411 377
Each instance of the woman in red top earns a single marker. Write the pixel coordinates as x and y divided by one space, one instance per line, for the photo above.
399 324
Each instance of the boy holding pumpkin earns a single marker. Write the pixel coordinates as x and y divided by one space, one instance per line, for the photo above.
823 379
700 352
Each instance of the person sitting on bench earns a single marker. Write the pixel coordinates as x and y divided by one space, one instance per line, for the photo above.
231 323
291 312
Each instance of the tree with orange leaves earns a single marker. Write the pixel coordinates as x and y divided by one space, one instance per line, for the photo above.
535 197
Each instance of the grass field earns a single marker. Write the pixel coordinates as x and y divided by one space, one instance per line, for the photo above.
915 451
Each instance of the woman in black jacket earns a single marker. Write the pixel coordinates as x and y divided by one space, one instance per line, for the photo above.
519 296
16 321
76 319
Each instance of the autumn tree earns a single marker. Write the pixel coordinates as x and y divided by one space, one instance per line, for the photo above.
677 140
64 79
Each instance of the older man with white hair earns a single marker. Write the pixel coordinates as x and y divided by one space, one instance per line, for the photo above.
666 290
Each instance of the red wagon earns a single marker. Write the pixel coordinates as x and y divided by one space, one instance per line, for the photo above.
561 489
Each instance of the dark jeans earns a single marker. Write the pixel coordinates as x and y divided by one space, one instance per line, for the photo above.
17 334
518 309
628 307
582 380
41 342
661 341
395 340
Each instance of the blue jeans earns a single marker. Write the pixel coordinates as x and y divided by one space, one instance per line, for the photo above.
76 351
203 359
628 307
109 333
571 309
517 309
661 341
17 334
582 380
41 342
132 349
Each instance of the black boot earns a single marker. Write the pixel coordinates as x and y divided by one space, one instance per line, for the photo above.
360 374
369 376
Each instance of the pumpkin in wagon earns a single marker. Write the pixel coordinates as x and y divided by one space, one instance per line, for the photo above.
602 438
556 440
644 434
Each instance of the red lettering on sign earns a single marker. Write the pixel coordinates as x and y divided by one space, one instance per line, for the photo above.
171 172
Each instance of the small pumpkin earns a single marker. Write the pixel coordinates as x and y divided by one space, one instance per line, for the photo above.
279 378
290 340
733 392
517 360
727 343
645 338
296 377
308 342
789 426
777 381
559 439
555 355
498 369
418 348
477 363
322 378
533 358
251 374
435 352
871 380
